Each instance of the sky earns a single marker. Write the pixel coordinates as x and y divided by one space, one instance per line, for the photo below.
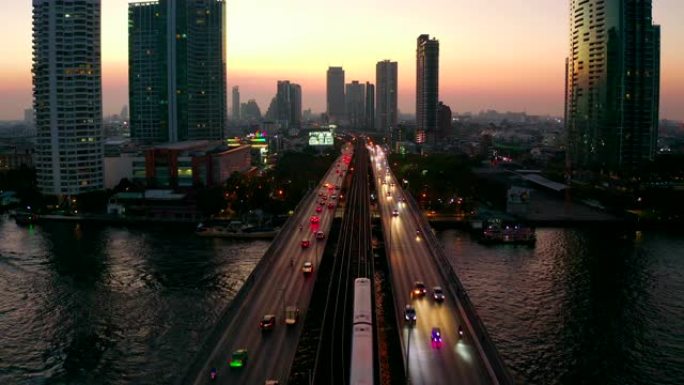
496 54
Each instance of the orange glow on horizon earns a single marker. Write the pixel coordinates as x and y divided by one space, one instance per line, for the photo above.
497 54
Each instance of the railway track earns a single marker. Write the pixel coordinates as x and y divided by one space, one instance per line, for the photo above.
352 259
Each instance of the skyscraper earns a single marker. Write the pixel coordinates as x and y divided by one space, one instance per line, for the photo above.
612 85
335 93
427 87
386 96
236 103
177 70
288 104
370 107
443 121
67 96
356 104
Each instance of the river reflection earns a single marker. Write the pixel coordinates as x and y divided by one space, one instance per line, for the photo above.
89 304
582 306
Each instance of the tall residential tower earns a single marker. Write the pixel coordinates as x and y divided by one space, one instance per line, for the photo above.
386 95
356 104
236 103
427 87
612 85
177 70
288 107
335 94
67 96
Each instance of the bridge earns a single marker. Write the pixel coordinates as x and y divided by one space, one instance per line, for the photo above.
241 351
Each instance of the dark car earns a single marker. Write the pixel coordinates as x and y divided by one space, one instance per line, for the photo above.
409 314
436 337
305 243
419 290
268 322
438 294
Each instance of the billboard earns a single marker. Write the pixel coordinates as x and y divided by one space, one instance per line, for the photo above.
321 138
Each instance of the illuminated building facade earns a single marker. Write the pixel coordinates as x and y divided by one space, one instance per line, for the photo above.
177 70
67 96
612 85
427 87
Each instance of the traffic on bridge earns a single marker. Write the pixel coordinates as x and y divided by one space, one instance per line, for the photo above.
437 342
259 344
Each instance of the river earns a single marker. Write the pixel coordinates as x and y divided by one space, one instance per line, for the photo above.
117 305
590 306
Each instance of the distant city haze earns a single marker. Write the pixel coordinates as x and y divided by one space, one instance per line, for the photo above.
498 54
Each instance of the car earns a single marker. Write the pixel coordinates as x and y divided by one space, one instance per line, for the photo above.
320 235
410 313
438 294
389 195
319 209
272 382
291 315
403 200
392 184
436 337
395 213
305 243
238 359
324 197
268 322
384 183
314 219
307 267
334 196
331 205
419 290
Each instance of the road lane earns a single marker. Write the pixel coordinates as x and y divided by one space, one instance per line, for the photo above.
455 362
270 354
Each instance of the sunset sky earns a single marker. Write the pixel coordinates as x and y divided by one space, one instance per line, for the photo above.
494 54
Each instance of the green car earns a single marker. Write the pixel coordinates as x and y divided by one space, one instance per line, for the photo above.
239 358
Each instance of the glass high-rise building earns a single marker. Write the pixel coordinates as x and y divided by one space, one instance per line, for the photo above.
356 104
370 107
236 103
67 96
612 85
386 95
427 87
288 104
177 70
335 94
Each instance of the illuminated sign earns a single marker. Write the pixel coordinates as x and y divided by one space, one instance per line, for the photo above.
321 138
233 142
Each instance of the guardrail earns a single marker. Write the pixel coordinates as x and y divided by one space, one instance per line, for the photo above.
486 348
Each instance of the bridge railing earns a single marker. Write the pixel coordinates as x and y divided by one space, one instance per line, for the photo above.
483 342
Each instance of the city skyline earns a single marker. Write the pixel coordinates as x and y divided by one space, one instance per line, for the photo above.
475 48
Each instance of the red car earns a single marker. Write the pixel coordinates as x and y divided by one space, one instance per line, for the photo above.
268 322
331 205
305 243
314 219
319 209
